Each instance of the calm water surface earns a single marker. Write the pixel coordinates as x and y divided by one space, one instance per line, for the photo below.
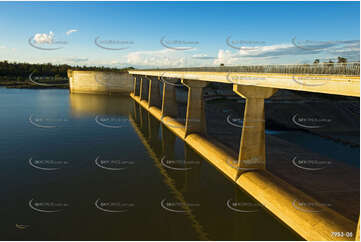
90 167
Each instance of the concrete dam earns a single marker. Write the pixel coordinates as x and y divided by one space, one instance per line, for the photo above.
99 82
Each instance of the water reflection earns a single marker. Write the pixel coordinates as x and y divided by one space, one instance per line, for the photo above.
240 217
162 147
134 182
85 104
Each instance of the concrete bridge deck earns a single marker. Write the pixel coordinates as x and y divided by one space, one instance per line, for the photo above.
339 79
352 68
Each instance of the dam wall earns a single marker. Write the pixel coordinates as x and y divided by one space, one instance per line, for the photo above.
99 82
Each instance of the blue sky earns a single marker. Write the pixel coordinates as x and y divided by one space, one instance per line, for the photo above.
175 34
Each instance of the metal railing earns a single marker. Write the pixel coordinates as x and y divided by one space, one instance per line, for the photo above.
352 69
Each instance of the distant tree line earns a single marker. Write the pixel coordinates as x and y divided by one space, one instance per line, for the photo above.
339 60
13 71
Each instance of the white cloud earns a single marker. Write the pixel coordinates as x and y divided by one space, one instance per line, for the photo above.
321 48
281 53
70 31
225 57
349 50
275 50
272 54
289 53
77 59
2 47
116 62
44 38
157 58
203 57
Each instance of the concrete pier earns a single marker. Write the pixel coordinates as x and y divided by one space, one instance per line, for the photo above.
144 85
136 85
252 152
195 119
169 103
154 93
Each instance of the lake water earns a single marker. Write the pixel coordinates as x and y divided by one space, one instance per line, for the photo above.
83 167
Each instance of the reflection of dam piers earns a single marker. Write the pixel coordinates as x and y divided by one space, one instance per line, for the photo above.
184 180
247 169
151 127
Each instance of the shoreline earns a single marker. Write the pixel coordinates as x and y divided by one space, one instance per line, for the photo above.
31 85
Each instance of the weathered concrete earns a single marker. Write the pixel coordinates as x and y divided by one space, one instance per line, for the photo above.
351 68
154 98
99 82
252 151
143 93
346 85
195 117
136 85
357 237
169 102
